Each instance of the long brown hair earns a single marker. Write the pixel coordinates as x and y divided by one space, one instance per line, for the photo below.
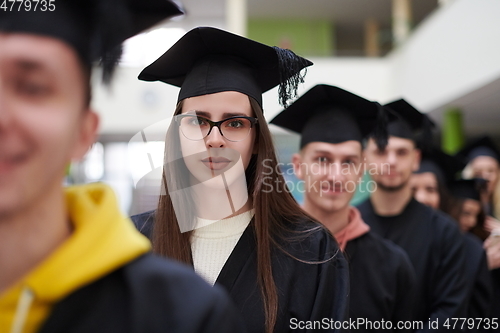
262 169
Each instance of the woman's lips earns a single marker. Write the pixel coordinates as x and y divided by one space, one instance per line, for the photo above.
216 163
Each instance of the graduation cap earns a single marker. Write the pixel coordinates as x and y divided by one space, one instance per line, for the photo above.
444 166
410 123
333 115
468 188
94 28
209 60
483 146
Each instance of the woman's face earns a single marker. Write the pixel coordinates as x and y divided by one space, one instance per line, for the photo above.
215 154
486 167
470 210
425 189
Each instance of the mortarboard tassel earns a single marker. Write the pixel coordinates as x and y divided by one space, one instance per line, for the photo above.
380 134
113 22
289 68
109 62
425 139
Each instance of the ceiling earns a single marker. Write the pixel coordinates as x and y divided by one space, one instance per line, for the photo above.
480 110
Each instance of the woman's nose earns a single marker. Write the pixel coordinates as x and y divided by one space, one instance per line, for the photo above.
215 138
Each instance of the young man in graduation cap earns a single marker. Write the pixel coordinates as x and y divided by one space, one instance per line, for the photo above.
430 238
69 260
333 123
431 186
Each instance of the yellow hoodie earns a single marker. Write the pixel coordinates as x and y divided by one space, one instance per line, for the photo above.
102 241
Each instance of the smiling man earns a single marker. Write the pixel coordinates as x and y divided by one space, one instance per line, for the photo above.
69 260
333 123
430 238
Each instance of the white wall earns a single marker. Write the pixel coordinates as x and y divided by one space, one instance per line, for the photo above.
455 51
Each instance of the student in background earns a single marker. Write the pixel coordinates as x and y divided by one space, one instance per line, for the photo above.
430 184
69 260
431 239
483 158
225 207
333 124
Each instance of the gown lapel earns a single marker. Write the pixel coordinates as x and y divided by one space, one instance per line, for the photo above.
239 259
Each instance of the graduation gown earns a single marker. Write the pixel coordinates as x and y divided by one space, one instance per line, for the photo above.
310 293
435 247
149 294
383 282
478 278
495 309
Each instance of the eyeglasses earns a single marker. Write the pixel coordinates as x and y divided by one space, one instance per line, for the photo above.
197 128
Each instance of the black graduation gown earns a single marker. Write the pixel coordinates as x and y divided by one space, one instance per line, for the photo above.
495 308
478 278
147 295
307 291
383 283
435 247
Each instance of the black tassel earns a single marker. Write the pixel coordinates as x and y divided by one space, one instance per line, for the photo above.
109 62
290 66
425 140
112 22
380 134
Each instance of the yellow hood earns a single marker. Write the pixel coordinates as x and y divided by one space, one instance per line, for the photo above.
102 241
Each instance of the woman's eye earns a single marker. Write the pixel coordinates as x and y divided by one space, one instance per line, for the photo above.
322 159
197 121
235 124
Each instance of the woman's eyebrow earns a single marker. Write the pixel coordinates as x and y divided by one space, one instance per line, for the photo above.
224 116
234 114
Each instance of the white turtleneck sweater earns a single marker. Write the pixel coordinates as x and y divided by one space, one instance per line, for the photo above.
212 244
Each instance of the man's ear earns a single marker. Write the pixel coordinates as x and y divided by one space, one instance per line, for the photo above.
89 125
297 163
416 159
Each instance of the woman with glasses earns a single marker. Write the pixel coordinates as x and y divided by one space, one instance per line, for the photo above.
225 208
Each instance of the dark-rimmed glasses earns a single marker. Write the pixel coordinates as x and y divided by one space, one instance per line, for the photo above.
234 129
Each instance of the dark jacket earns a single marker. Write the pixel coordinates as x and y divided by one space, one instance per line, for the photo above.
147 295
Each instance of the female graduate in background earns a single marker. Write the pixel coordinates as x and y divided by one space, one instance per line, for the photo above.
225 208
483 158
430 184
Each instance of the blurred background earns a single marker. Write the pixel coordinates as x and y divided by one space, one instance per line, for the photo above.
442 56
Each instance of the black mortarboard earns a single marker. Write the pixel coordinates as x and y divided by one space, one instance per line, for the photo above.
444 166
330 114
209 60
468 188
94 28
483 146
410 123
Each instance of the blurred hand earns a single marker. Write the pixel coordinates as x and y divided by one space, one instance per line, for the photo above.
491 224
492 247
